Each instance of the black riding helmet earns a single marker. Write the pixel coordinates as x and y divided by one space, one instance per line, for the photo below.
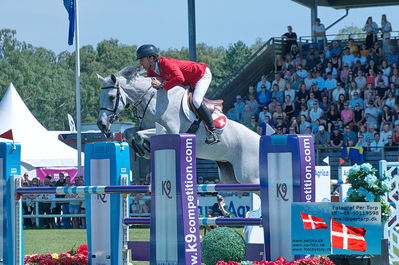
147 50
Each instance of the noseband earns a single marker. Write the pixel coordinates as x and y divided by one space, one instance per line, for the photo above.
114 115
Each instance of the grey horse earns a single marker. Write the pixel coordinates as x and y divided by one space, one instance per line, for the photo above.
237 155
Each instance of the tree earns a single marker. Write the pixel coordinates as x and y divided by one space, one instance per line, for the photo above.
350 32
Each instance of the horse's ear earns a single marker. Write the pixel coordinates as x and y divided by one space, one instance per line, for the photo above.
113 78
102 79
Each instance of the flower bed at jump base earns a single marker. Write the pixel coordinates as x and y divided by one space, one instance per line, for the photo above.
283 261
71 257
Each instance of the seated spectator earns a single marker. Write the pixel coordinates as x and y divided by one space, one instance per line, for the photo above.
218 210
332 116
353 89
265 112
253 104
377 144
311 100
294 52
289 107
372 114
232 114
300 71
251 91
324 104
308 130
386 115
336 138
264 96
385 68
390 100
369 134
352 46
319 81
253 124
304 111
264 82
344 75
303 124
395 113
360 80
262 128
279 113
246 115
385 133
315 112
390 145
341 102
239 105
278 63
295 82
361 142
358 58
311 61
346 114
372 65
358 116
349 135
356 100
364 51
395 76
279 81
308 81
280 124
338 91
330 84
323 60
322 138
278 94
331 69
347 57
335 49
380 77
273 105
395 134
393 56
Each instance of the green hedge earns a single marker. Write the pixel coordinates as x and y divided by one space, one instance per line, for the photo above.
224 244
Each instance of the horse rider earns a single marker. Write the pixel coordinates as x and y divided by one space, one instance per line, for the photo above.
175 72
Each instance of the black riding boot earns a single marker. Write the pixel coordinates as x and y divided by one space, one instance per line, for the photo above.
205 115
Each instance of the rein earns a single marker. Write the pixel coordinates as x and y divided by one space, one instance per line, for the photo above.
114 114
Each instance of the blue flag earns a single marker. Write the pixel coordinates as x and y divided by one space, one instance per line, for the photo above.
70 7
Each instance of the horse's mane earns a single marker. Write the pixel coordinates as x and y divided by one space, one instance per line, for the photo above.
131 72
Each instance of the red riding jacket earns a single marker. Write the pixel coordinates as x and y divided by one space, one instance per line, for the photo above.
178 72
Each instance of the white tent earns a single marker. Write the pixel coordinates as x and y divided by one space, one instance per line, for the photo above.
39 147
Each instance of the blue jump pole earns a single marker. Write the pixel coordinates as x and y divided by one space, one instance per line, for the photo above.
11 236
106 163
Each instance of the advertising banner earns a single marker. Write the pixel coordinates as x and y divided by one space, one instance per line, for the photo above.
336 228
323 190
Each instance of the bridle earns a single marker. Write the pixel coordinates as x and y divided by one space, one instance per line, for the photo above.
114 115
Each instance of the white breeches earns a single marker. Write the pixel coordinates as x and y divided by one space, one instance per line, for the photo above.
201 87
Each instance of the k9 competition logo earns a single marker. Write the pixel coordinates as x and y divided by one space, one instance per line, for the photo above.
282 191
167 188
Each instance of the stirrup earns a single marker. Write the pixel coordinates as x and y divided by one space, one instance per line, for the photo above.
215 138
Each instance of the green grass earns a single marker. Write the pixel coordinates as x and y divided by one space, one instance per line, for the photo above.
39 241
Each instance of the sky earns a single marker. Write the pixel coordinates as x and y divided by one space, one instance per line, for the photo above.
164 23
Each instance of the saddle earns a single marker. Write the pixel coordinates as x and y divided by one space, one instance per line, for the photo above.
212 105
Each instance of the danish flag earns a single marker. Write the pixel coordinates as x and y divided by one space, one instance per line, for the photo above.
313 222
347 237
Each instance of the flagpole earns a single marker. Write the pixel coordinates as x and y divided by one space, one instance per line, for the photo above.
331 248
77 70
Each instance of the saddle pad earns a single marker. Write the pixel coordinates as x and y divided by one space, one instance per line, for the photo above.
219 119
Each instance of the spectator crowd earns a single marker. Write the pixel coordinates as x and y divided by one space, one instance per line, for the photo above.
344 93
